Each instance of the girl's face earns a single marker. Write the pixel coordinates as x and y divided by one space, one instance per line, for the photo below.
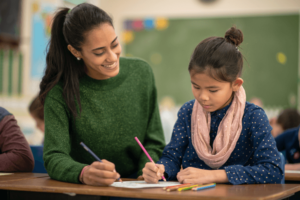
100 52
40 124
212 94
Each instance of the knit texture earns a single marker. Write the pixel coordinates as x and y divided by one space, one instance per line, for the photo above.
114 111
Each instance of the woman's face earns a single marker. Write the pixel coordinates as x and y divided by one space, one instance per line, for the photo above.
212 94
101 52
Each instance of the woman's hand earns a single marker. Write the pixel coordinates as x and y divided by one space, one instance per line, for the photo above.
100 174
152 173
201 176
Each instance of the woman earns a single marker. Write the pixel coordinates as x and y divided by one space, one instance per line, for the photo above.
92 95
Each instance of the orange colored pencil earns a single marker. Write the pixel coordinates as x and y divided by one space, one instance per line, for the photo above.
173 186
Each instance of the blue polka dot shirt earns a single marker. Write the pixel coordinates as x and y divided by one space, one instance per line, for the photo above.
255 158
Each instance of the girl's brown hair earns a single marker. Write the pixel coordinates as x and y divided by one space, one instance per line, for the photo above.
219 57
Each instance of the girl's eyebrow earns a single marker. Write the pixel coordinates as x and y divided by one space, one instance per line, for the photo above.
208 87
104 47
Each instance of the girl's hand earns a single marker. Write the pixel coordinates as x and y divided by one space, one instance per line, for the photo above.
100 173
201 176
152 173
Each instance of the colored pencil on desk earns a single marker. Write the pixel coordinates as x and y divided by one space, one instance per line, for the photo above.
145 151
94 155
176 186
188 187
204 186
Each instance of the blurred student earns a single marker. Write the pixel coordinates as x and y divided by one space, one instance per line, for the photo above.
219 137
288 141
15 153
287 119
36 111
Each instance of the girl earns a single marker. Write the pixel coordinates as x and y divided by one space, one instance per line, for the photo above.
92 95
219 137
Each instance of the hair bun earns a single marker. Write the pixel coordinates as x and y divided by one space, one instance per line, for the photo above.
234 36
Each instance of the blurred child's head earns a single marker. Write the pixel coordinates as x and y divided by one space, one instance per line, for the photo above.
288 118
215 69
36 111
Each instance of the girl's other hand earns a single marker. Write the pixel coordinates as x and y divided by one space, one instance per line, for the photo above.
201 176
152 173
100 173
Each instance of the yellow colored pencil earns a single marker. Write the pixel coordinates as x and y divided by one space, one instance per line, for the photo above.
187 188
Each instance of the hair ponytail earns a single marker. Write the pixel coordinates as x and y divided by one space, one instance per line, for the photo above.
69 28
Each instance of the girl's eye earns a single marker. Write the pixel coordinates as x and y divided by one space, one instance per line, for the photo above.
196 88
213 91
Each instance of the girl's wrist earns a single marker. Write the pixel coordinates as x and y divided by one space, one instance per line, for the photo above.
219 176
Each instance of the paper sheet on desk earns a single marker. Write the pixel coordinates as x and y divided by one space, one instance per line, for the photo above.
142 184
292 171
3 174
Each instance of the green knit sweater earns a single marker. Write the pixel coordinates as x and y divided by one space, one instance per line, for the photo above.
114 111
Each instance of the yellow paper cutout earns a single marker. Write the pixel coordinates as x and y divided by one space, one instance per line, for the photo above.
161 23
127 37
281 58
35 7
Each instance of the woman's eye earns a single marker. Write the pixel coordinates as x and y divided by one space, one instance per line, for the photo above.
115 45
213 90
99 54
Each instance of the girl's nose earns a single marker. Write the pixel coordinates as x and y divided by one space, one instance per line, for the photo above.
203 96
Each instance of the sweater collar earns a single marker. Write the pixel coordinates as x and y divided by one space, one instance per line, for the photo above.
106 84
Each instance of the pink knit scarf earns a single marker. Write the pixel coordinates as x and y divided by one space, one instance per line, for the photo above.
228 132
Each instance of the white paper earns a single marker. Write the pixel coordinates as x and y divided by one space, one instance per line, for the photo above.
292 171
143 184
3 174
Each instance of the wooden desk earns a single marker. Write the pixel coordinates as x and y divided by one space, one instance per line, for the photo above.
292 176
43 187
21 176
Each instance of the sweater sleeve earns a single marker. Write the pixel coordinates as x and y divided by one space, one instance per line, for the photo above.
57 146
264 164
174 151
16 155
154 141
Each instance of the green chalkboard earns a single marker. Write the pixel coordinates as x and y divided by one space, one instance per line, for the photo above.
270 48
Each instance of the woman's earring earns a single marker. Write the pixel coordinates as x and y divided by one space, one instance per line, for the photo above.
78 58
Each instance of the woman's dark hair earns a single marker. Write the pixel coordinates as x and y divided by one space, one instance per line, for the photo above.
289 118
36 108
219 57
69 27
